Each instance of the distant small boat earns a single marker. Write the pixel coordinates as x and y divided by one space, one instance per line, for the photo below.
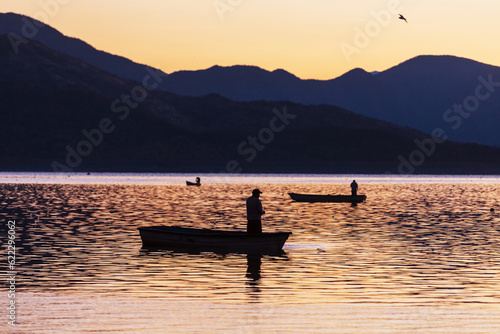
197 183
192 183
192 239
327 198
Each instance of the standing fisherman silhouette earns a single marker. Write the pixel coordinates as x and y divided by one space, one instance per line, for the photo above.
354 188
254 213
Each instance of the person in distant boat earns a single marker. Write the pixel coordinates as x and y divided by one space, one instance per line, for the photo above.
198 181
254 212
354 188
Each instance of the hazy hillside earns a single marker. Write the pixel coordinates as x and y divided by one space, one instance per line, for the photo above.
117 65
416 93
53 105
421 93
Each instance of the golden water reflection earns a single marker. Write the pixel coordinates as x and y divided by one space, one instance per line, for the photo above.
414 244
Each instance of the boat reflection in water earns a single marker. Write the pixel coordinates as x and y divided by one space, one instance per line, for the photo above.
254 263
197 264
198 241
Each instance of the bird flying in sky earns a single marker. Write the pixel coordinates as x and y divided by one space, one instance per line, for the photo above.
401 17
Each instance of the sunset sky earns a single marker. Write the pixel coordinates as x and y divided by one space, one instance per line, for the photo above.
313 39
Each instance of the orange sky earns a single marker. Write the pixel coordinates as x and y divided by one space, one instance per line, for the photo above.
313 39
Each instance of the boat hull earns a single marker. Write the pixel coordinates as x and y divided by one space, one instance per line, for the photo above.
327 198
193 184
187 239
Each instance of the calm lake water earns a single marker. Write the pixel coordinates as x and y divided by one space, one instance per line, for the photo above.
421 255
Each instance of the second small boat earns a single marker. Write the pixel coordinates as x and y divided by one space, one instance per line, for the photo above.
311 198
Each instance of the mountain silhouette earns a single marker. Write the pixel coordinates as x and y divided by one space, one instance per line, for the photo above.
26 27
60 113
419 93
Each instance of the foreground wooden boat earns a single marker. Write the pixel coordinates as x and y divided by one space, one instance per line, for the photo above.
191 239
327 198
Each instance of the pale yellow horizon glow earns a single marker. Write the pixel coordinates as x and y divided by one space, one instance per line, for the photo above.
306 38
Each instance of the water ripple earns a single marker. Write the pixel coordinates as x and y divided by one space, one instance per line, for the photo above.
411 244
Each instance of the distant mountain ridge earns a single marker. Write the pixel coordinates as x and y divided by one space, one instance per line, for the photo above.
421 93
60 113
417 93
26 27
